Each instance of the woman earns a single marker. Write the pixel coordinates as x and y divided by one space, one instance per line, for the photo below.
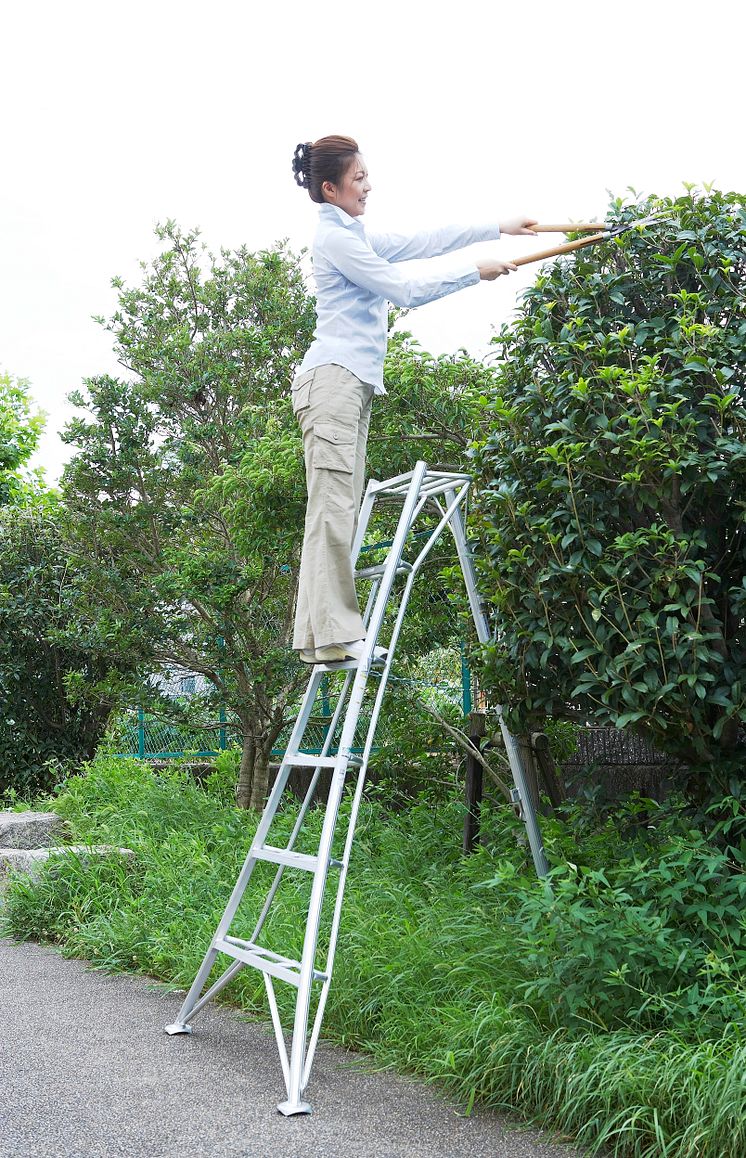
357 274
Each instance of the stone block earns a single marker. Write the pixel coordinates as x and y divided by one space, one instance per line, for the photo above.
30 829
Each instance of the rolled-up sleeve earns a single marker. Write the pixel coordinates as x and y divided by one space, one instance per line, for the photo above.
356 260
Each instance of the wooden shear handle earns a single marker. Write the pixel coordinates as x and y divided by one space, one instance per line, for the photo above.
568 247
572 227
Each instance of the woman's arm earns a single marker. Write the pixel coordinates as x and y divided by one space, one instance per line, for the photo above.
435 242
349 252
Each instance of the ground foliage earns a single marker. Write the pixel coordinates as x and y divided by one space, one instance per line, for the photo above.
611 1007
612 479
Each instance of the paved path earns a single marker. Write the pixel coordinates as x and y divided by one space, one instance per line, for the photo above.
86 1072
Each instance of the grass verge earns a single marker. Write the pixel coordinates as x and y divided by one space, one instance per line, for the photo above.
436 955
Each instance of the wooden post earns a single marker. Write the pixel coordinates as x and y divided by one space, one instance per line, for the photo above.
552 783
473 786
529 767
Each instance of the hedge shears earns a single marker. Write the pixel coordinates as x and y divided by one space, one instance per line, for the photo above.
599 230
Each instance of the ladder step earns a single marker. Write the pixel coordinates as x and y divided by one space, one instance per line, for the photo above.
378 569
286 856
342 665
265 960
306 760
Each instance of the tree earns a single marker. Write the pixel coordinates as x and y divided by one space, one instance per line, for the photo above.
431 412
612 502
58 679
20 429
186 492
432 409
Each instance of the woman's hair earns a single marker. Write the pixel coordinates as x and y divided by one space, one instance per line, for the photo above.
327 159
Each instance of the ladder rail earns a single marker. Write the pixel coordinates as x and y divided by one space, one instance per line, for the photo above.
361 527
307 800
438 530
225 978
310 941
336 918
410 509
370 735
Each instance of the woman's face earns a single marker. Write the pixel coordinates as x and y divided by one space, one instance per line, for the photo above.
352 193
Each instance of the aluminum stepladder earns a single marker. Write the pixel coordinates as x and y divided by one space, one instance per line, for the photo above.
419 490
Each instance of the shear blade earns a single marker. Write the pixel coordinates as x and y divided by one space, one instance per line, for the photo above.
640 223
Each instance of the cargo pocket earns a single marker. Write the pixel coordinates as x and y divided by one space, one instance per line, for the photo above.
301 391
334 447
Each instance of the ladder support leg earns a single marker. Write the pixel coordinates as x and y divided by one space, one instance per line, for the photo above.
528 812
295 1103
181 1025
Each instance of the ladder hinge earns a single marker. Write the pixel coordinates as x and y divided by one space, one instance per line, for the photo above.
515 797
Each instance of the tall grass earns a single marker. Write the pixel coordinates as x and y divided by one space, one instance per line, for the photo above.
432 965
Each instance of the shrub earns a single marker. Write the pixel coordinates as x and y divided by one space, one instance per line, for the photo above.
612 481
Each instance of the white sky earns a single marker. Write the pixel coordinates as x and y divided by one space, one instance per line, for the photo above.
115 117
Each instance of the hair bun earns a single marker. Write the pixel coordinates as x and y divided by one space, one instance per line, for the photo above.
302 164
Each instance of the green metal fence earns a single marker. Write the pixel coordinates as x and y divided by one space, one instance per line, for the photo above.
145 736
431 662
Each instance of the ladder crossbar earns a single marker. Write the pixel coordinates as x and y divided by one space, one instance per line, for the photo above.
378 569
276 964
307 760
400 484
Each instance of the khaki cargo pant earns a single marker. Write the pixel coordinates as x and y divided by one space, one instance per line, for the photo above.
333 409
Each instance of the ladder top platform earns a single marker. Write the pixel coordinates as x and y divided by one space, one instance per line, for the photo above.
431 478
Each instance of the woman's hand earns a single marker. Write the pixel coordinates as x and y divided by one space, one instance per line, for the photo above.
489 270
518 226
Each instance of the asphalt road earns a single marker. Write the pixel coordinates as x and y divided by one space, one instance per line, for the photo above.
86 1071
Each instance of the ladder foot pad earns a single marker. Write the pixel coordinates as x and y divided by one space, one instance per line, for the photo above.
289 1108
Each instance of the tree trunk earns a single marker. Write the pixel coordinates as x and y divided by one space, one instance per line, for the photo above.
260 783
244 788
